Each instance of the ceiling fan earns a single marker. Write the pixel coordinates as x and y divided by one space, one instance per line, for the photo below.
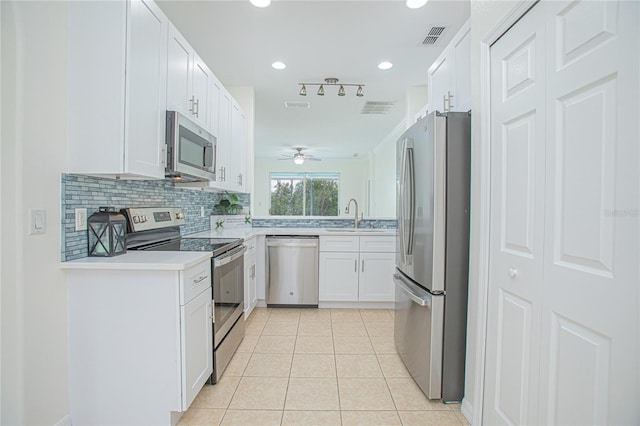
299 157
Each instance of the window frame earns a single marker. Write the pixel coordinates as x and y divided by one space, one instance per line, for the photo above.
304 176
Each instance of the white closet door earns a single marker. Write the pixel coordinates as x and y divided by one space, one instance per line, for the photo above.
517 222
589 345
563 323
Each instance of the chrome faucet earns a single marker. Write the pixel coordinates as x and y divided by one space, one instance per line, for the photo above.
356 220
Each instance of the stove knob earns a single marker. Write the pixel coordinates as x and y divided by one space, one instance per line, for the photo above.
136 219
143 218
179 215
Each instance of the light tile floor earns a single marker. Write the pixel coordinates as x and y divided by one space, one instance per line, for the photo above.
318 367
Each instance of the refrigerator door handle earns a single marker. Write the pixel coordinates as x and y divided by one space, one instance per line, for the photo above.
420 297
412 200
407 189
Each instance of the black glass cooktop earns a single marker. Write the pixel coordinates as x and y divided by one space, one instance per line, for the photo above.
215 245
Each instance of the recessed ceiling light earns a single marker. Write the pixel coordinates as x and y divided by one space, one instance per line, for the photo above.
279 65
413 4
260 3
385 65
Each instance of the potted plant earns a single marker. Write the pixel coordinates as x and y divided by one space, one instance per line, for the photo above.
229 205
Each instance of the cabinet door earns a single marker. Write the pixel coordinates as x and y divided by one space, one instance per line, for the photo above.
462 70
214 110
249 282
179 65
376 277
439 81
146 90
338 280
197 345
238 149
223 141
202 78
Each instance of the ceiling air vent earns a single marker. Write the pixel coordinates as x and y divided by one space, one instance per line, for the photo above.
433 35
297 105
376 107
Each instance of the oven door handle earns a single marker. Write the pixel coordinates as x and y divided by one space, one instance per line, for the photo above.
229 257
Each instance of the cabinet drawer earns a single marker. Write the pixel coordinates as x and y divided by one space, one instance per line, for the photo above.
339 243
378 243
194 280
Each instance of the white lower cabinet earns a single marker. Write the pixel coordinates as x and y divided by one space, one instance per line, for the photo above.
140 343
250 277
338 280
376 272
364 273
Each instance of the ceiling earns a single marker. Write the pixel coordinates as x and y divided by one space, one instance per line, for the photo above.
316 40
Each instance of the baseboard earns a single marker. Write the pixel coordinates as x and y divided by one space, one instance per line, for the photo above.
357 305
467 410
65 421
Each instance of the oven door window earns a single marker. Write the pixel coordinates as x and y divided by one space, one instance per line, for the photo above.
228 291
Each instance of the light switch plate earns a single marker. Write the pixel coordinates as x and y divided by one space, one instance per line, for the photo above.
201 211
81 219
37 221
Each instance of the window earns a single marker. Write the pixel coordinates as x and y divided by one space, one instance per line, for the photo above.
304 194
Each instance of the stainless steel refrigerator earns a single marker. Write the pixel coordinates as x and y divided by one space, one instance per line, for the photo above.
432 252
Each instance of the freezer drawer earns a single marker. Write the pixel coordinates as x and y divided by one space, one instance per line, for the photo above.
292 275
418 330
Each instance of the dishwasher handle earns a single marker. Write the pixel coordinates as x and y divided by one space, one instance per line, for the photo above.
291 243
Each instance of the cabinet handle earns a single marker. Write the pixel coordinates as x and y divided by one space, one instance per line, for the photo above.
221 174
163 159
193 101
362 265
450 96
444 103
355 265
224 174
196 106
200 279
240 179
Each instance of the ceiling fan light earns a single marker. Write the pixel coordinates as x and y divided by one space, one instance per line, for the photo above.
298 159
321 90
415 4
260 3
341 90
303 91
360 92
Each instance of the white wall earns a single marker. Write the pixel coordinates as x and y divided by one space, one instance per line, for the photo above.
484 17
33 154
353 180
383 172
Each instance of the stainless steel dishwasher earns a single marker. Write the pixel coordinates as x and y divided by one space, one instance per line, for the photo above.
292 274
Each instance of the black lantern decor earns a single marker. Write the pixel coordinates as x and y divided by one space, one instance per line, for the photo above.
107 230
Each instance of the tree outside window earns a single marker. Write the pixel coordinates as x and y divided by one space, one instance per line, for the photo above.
304 194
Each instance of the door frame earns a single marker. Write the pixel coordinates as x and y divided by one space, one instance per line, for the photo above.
480 274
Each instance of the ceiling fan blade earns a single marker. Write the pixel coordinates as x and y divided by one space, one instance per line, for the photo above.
312 159
285 158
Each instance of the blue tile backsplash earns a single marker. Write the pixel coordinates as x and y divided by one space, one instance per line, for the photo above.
321 223
93 192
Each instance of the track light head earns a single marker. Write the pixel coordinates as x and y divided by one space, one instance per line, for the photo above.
303 91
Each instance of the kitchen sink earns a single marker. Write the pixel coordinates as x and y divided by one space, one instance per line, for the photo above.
367 230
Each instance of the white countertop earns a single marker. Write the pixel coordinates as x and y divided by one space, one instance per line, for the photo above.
141 260
248 232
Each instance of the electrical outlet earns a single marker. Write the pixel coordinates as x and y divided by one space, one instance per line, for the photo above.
202 211
81 219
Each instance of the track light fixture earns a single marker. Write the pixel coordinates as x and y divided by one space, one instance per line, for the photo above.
331 82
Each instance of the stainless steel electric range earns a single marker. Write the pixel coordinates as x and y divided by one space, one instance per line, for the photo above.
158 229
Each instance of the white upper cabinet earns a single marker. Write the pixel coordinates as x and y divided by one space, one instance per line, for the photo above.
117 88
237 172
189 81
449 77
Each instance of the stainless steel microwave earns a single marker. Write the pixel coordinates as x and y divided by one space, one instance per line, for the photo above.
191 150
